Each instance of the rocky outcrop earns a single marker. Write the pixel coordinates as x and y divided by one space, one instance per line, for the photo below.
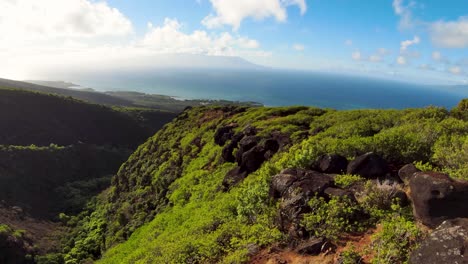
335 164
252 152
436 197
406 172
369 166
223 134
296 187
447 244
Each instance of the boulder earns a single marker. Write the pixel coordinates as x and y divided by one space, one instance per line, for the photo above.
369 166
436 197
252 159
447 244
246 144
332 164
223 134
233 177
406 172
336 192
226 153
281 182
296 187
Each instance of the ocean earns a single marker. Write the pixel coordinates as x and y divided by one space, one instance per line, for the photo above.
279 88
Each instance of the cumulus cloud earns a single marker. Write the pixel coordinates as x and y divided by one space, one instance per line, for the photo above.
169 38
23 20
401 60
298 47
407 43
232 13
404 11
356 55
383 51
455 70
450 34
375 58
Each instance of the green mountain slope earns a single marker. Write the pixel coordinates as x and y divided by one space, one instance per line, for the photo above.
41 119
182 198
89 96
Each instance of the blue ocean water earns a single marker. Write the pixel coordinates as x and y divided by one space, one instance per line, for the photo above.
279 88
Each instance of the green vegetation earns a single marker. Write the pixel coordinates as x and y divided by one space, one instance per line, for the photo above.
398 237
333 218
346 180
167 198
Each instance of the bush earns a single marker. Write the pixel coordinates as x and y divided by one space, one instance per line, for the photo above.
333 218
398 237
347 180
377 198
350 256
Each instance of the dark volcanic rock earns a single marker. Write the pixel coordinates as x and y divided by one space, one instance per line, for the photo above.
335 192
296 187
436 197
226 153
245 144
313 246
369 166
447 244
332 164
223 134
406 172
253 159
233 177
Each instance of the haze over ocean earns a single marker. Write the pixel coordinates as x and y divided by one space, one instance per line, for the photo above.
280 88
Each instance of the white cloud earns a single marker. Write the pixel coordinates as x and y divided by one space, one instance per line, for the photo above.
455 70
169 38
407 43
348 42
451 34
375 58
356 55
25 20
298 47
401 60
404 12
232 13
436 56
383 51
85 52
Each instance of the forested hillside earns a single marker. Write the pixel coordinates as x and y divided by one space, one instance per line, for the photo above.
240 184
56 154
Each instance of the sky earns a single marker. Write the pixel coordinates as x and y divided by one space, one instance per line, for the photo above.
422 41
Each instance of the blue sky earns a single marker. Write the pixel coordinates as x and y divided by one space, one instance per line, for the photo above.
412 40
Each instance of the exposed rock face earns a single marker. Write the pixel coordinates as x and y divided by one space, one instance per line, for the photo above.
447 244
406 172
246 144
369 166
223 134
332 164
252 151
436 197
296 187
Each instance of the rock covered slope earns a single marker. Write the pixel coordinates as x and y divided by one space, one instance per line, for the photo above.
224 184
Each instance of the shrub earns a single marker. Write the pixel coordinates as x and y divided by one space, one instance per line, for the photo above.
331 219
377 198
350 256
347 180
398 237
